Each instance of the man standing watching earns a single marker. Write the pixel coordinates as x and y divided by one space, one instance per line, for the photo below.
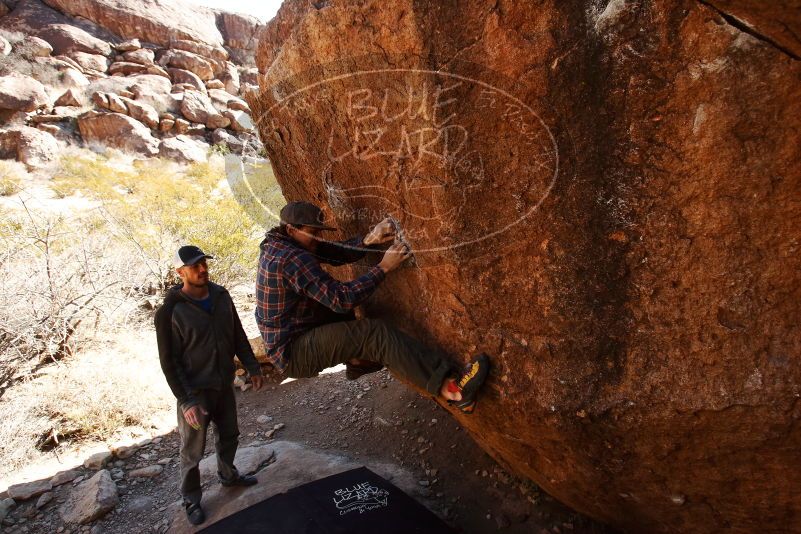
198 333
305 315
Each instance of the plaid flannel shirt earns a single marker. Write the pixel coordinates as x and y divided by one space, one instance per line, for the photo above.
294 294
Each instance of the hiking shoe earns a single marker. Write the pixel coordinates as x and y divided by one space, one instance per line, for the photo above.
241 480
194 513
469 382
353 371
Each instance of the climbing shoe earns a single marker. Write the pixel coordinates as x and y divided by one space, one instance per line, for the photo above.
194 513
364 367
241 480
469 381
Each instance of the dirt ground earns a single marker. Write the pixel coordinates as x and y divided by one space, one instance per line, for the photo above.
375 418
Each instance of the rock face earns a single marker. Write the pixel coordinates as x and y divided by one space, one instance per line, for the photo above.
33 147
91 499
196 107
608 206
155 21
194 63
187 77
118 131
184 149
241 33
65 38
774 21
94 62
21 93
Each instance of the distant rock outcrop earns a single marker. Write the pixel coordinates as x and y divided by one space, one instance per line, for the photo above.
31 146
118 131
154 21
21 93
65 38
153 62
605 197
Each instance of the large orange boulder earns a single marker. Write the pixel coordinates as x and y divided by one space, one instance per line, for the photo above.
606 199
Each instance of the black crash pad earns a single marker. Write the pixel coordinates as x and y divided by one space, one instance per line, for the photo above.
354 502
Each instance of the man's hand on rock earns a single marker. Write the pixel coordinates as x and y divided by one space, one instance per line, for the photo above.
382 232
394 256
194 416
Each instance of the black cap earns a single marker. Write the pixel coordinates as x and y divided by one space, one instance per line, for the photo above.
189 255
304 214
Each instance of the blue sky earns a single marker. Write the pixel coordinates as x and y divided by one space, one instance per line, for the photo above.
263 9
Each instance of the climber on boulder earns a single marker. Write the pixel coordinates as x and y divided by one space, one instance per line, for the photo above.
306 318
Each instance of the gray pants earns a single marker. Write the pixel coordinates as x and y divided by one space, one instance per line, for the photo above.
221 406
367 339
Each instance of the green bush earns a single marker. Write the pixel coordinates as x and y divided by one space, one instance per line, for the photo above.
158 205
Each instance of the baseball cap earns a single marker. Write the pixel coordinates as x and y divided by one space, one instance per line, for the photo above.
189 255
301 213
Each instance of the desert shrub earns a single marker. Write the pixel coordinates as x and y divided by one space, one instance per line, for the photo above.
157 206
87 398
10 178
58 276
63 273
9 186
220 149
19 61
69 280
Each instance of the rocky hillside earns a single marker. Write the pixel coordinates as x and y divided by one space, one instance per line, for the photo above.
152 77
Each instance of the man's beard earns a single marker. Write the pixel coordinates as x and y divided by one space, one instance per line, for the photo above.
199 285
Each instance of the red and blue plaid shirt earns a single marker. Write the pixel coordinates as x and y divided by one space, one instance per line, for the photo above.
294 294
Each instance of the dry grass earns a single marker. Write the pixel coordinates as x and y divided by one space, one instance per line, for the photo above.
114 384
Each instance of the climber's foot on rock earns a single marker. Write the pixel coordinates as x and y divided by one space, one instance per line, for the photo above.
469 382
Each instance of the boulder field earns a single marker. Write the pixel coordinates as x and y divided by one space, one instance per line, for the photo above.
155 71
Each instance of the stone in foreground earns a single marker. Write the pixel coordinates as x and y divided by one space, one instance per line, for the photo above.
91 499
28 490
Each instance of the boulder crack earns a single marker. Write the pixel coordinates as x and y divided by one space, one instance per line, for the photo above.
744 27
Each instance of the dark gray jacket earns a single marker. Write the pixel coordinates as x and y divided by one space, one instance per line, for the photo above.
197 348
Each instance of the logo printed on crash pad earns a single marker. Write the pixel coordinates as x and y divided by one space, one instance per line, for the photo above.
362 497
